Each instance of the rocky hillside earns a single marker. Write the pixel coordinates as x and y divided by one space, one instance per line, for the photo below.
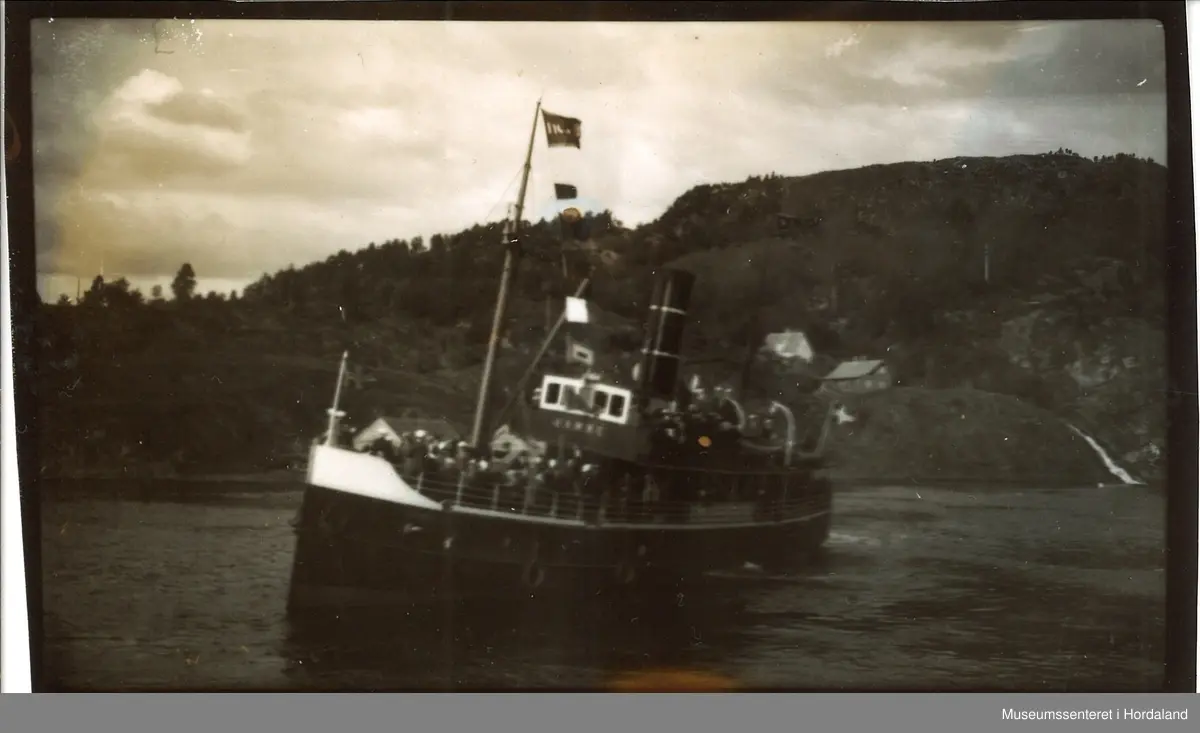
1038 278
964 435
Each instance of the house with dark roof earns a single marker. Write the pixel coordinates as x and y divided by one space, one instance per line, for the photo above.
391 428
857 376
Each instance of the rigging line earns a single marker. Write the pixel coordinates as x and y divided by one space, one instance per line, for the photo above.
517 174
500 200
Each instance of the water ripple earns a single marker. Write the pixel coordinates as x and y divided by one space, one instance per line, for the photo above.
951 589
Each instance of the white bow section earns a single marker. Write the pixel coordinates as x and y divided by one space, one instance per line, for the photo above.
362 474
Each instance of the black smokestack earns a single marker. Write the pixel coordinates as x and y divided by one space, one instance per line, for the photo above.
665 323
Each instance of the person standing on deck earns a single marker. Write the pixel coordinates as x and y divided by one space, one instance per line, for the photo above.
483 480
535 482
623 493
592 492
462 455
557 481
574 481
433 462
450 467
651 496
421 457
409 468
511 485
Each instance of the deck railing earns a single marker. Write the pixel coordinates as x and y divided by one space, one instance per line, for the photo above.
777 499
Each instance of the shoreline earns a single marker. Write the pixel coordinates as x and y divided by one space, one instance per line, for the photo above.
270 481
270 476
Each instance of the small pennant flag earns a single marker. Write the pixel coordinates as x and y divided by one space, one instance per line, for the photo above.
578 353
564 191
562 131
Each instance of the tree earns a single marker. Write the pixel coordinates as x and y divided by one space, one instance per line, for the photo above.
184 284
156 292
120 294
94 296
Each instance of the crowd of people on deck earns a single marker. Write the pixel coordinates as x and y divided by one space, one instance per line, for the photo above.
451 469
700 430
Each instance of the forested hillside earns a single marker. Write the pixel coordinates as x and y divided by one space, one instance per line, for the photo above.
1037 277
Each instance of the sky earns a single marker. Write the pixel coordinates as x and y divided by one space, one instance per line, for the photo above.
246 146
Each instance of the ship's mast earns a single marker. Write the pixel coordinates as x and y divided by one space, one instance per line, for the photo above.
537 358
512 241
334 413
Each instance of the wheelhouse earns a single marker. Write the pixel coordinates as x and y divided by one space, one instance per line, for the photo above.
586 397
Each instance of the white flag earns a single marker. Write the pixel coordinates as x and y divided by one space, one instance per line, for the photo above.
582 355
577 310
579 353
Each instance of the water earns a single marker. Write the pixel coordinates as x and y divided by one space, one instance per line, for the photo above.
1049 590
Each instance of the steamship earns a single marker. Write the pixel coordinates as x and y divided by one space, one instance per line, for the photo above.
671 494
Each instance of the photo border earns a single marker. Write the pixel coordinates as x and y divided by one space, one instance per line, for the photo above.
1182 385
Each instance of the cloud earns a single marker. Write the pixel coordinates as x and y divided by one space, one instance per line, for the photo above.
910 63
244 146
201 110
1081 58
145 139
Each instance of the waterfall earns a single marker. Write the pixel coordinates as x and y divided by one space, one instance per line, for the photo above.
1109 463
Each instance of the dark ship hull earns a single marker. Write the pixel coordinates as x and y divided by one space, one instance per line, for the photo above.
382 542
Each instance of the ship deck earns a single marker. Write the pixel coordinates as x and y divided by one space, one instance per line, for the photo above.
711 498
583 509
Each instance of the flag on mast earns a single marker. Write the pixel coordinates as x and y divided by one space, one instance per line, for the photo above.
562 131
577 310
579 353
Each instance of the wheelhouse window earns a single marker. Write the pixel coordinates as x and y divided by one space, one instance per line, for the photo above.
600 400
616 407
552 395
